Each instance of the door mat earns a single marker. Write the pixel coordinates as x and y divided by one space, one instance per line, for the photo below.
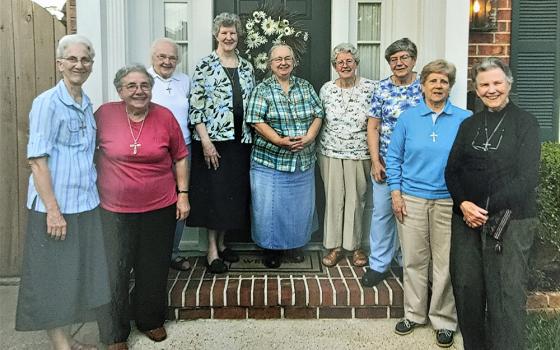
252 262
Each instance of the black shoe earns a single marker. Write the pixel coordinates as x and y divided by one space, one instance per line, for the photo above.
272 258
398 271
444 338
217 266
295 255
372 278
405 326
228 255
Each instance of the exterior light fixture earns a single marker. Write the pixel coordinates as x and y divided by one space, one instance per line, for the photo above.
483 15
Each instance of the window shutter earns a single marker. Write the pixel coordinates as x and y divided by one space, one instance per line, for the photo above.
535 61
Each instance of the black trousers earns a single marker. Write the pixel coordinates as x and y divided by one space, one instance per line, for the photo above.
490 288
142 242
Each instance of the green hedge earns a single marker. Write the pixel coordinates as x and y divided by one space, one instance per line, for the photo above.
549 193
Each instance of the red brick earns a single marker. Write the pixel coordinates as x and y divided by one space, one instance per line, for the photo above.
230 312
371 312
537 301
347 271
504 4
194 314
472 50
263 313
218 293
176 293
231 292
503 39
383 295
369 296
341 293
492 50
314 294
398 294
355 292
258 293
285 291
396 312
299 287
190 293
554 300
333 272
481 37
272 292
344 261
204 295
359 271
300 312
335 312
504 26
245 293
327 292
504 14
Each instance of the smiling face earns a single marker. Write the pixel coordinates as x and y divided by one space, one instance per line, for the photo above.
282 62
402 64
164 59
493 88
227 39
76 64
345 65
135 91
436 89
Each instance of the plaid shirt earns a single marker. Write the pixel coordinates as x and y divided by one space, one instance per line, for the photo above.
289 115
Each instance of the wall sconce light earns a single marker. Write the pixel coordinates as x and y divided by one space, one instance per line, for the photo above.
483 15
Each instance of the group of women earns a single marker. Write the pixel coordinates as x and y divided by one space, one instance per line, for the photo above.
253 158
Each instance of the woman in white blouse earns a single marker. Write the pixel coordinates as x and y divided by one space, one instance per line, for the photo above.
343 156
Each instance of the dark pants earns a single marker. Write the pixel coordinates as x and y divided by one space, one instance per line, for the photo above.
489 288
142 242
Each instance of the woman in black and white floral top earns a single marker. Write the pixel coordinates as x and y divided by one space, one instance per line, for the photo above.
221 85
344 157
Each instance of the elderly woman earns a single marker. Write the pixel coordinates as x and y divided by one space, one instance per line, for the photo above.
222 84
286 113
139 145
489 274
391 97
343 156
64 273
416 161
171 89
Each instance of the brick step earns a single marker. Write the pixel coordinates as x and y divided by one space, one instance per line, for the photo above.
329 293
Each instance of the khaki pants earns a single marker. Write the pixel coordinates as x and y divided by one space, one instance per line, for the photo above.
426 234
346 185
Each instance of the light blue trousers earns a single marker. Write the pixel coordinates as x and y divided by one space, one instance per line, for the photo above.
383 239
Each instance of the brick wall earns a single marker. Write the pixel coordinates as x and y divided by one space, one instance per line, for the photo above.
71 16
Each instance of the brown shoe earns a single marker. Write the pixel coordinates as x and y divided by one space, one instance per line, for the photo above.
157 334
333 257
118 346
76 345
359 258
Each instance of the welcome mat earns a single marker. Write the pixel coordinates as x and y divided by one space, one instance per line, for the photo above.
252 262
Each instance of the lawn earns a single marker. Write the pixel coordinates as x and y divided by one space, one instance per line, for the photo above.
543 331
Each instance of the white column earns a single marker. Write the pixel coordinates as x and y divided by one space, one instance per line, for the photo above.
116 53
341 29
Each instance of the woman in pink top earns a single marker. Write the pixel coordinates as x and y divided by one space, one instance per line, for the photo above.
141 199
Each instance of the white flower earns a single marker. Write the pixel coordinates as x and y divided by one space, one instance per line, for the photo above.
285 22
289 31
277 41
269 26
261 61
255 40
258 16
250 24
305 36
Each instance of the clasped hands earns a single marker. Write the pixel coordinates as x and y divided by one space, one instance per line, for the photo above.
294 143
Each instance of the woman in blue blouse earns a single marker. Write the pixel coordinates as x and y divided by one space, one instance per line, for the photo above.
416 159
221 85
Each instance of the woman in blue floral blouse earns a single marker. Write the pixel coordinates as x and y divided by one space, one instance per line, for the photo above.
220 195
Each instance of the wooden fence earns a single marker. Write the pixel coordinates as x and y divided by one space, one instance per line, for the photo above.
28 37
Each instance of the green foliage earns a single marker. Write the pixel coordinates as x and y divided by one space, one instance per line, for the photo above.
549 193
543 331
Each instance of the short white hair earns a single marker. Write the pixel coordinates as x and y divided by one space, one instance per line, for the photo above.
167 41
73 39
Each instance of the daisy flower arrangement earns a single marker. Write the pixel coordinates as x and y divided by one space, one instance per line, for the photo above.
269 26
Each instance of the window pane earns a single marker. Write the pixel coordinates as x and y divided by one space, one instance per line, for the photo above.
369 21
369 60
183 66
176 21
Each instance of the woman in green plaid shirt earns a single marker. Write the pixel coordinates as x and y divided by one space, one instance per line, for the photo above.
286 113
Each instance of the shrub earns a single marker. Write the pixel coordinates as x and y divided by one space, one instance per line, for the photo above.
549 193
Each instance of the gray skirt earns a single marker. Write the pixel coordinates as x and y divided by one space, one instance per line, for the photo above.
62 282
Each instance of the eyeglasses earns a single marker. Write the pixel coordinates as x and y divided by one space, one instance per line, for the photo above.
288 59
163 57
85 61
347 62
403 58
133 87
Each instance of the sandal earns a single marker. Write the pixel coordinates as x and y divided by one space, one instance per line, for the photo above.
180 263
76 345
333 257
359 258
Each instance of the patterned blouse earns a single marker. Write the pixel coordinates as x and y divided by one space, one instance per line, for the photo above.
344 131
289 115
388 102
211 98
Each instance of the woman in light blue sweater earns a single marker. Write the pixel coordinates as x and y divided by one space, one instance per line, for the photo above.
416 160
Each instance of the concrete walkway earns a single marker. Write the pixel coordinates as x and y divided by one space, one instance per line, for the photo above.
242 334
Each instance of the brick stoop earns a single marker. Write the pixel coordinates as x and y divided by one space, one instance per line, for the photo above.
334 293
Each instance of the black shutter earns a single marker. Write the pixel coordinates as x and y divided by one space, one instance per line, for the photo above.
535 61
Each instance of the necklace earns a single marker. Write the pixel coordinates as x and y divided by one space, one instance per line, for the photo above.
169 88
134 146
231 77
488 138
346 103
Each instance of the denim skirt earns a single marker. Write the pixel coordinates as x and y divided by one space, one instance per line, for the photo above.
283 204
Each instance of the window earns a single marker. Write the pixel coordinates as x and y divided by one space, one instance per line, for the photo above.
369 37
176 27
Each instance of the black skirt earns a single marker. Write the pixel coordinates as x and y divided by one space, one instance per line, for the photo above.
220 198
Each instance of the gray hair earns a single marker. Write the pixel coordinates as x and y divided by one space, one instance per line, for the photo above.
226 19
491 63
167 41
404 44
439 66
130 68
73 39
276 46
344 48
